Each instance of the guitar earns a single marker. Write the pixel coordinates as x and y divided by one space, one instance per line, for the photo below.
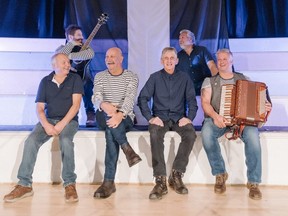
79 67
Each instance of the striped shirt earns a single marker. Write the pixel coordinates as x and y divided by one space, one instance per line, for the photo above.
120 90
76 56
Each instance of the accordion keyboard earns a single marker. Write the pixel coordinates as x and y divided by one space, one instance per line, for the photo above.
226 102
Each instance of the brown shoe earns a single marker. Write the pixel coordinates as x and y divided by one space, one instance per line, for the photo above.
159 189
175 181
254 192
220 186
19 192
105 190
131 156
71 193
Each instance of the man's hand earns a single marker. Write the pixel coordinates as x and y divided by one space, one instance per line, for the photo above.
50 130
108 108
59 127
115 120
184 121
156 121
219 121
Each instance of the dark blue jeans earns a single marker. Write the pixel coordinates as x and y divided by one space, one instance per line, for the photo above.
115 137
157 133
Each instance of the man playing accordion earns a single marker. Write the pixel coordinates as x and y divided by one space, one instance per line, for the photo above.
215 125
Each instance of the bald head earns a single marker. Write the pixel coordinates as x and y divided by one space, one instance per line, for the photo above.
115 50
113 60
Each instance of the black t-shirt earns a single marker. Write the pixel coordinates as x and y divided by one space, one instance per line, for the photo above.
195 65
58 100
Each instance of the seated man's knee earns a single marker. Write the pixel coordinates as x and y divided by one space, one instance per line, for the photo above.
191 136
154 129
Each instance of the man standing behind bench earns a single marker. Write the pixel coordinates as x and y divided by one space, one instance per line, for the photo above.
174 108
58 101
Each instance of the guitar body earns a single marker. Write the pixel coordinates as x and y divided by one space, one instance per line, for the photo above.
79 67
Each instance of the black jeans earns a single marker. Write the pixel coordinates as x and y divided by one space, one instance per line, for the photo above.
157 133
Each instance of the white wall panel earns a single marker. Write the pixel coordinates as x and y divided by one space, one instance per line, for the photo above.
90 151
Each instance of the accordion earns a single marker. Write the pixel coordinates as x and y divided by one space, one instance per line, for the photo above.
243 103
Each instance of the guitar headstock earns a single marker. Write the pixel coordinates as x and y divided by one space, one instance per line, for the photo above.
103 19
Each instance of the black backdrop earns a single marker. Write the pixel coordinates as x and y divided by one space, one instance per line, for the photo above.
47 18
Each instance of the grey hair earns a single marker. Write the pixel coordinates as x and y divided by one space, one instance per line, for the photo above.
54 56
189 34
166 49
225 50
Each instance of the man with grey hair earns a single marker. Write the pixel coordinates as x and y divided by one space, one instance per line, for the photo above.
174 108
57 104
195 60
214 126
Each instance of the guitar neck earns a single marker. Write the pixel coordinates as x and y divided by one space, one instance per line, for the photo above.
91 36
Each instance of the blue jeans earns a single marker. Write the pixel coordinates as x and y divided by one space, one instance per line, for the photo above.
32 145
157 133
210 134
115 137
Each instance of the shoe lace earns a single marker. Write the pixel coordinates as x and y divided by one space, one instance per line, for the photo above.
253 187
16 190
70 189
160 181
219 180
177 174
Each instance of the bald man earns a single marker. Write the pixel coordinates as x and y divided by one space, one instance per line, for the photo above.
114 95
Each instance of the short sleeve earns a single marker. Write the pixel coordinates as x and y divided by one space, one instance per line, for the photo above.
206 83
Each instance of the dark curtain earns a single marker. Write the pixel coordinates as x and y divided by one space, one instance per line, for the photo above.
245 18
30 18
85 13
257 18
205 18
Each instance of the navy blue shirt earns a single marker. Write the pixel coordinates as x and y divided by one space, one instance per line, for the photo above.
58 100
195 65
173 96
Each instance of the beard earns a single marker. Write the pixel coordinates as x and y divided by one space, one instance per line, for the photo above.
185 45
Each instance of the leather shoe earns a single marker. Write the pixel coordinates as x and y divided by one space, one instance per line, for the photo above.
175 181
159 189
254 192
220 186
105 190
131 156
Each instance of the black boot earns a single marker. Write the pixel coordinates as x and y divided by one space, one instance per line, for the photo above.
105 190
131 156
159 189
175 181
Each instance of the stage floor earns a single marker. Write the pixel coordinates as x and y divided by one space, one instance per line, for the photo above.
132 199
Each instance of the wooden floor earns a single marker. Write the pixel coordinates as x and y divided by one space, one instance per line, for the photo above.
132 200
